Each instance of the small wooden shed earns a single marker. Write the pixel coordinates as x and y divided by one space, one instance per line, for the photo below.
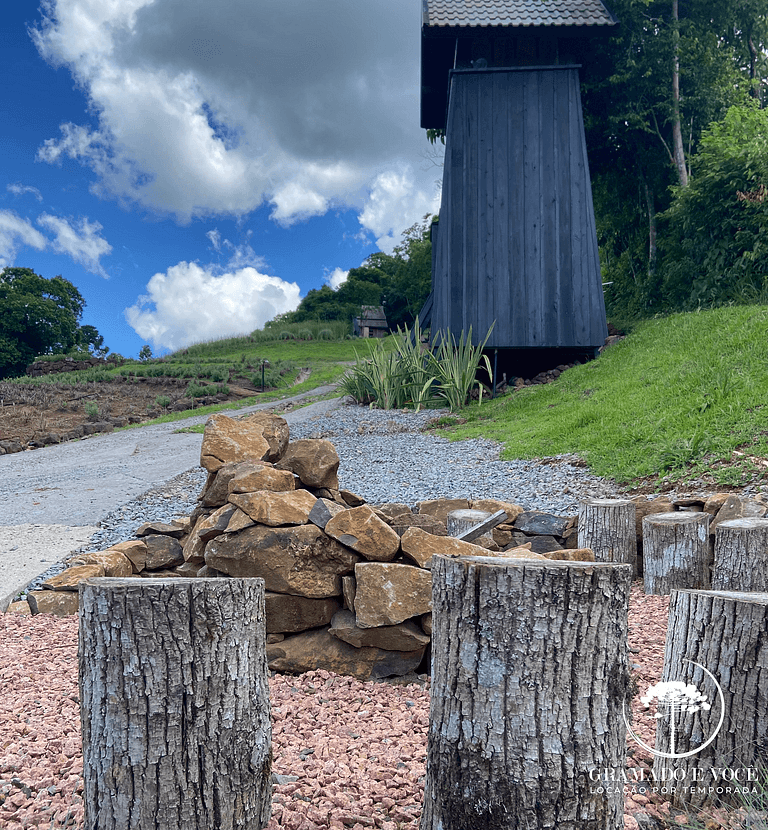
372 322
516 240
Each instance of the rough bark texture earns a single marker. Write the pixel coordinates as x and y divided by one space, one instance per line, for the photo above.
727 633
607 526
175 704
741 555
675 551
529 675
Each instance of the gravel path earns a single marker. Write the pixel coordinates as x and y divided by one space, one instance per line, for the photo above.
384 457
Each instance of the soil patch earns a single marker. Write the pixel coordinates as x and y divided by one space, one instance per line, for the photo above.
37 415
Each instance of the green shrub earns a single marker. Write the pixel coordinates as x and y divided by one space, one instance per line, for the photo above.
286 335
91 410
325 334
163 401
305 334
413 377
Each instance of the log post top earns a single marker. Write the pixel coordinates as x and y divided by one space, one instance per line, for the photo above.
744 523
679 517
605 502
507 563
127 582
755 597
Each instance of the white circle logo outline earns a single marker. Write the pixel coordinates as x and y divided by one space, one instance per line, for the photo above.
706 743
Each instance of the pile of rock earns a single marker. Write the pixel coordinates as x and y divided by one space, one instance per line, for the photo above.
66 364
348 585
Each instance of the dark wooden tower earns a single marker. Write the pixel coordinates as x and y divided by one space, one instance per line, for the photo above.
516 241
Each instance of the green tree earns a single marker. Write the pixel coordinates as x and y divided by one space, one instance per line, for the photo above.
650 92
37 316
716 230
89 339
400 281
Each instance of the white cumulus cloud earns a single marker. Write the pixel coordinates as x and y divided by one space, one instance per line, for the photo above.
79 239
336 278
16 232
191 303
210 109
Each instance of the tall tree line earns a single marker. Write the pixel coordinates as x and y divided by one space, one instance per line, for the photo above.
676 132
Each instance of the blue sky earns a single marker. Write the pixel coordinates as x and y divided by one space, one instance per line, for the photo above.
194 168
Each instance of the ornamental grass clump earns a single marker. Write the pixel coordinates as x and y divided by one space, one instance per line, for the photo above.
414 376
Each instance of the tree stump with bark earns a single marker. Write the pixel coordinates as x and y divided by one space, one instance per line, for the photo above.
529 676
459 521
607 526
175 704
676 551
726 633
741 555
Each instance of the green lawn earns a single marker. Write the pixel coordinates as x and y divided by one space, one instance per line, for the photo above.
679 394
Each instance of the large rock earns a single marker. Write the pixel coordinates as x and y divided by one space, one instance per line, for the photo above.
440 508
166 528
648 507
213 525
298 560
114 563
135 550
406 636
250 477
430 524
58 603
494 505
287 614
216 490
420 546
389 593
226 440
162 552
70 579
323 511
735 507
393 508
534 522
317 649
274 430
276 509
362 530
314 460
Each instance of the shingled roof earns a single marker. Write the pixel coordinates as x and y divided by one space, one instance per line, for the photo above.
515 13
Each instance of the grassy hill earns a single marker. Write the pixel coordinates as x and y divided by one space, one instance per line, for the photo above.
685 395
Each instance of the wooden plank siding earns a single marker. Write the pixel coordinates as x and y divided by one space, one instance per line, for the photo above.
517 241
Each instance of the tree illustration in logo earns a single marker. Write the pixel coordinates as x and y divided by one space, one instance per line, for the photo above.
673 699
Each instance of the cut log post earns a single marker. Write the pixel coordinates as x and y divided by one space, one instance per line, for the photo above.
529 677
607 526
483 527
175 704
726 633
741 555
675 551
460 522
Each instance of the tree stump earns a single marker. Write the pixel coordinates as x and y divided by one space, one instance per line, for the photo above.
529 676
726 633
607 526
675 551
175 704
460 520
741 555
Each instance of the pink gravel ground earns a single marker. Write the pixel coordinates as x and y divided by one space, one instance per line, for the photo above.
357 749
